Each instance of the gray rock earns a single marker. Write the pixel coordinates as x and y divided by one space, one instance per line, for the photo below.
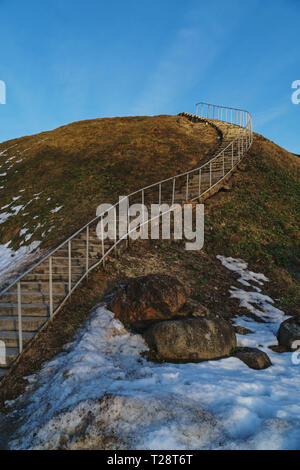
289 332
254 358
192 339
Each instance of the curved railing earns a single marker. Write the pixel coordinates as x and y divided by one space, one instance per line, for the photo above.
188 186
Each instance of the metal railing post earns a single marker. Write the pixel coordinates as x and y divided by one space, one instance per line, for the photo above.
102 237
20 326
187 187
50 287
199 182
87 249
143 216
70 265
173 191
115 234
210 175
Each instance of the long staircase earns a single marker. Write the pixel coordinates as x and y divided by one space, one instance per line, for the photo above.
34 297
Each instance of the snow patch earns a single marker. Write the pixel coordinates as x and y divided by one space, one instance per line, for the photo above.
53 211
100 393
11 261
240 267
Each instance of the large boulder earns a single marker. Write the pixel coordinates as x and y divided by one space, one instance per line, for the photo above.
192 339
254 358
148 299
289 332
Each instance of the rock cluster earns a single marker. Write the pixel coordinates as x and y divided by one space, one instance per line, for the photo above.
175 327
178 328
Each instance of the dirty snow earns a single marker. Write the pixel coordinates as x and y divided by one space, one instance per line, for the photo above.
100 393
11 261
240 267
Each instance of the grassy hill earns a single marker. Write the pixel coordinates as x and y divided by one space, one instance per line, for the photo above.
52 183
256 218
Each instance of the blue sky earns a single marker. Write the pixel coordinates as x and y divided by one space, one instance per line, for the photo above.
67 60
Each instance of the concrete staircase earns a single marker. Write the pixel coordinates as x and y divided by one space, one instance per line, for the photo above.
36 297
38 294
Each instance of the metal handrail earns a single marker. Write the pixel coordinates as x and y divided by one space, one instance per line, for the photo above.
51 253
237 147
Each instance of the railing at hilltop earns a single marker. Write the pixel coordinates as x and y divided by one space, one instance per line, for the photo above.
188 186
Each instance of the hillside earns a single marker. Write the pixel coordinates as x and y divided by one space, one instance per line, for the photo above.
52 183
255 218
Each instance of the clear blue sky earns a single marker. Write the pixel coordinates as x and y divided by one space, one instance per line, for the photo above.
67 60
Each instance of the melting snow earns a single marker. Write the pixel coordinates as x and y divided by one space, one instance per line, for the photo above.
4 216
53 211
240 267
11 260
101 387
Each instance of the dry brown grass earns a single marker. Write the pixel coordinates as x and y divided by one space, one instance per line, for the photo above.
257 220
84 164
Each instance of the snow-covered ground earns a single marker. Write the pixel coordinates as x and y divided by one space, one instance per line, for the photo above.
100 393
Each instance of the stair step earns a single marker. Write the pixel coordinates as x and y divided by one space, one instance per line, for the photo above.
80 251
56 277
43 286
31 297
64 261
10 323
62 269
31 310
11 338
58 260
